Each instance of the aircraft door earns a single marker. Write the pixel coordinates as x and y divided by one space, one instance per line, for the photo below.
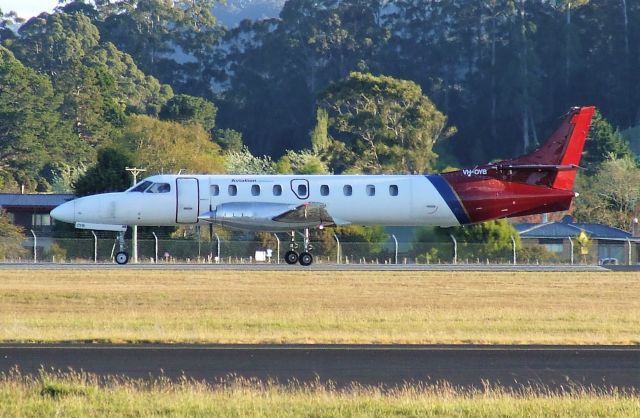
187 200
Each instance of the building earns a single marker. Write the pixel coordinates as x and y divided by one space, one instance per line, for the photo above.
31 212
605 244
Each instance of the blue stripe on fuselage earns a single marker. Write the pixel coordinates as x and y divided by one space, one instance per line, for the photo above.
450 197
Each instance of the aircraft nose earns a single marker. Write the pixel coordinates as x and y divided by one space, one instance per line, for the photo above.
65 212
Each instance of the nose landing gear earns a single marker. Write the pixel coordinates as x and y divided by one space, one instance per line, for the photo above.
122 257
304 258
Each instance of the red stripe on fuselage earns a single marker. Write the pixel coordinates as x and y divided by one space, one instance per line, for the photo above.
486 198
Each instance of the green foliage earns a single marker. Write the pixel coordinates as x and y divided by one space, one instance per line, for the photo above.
229 139
108 175
604 143
301 162
361 241
168 147
11 237
184 108
243 162
612 195
56 252
31 132
387 125
320 141
490 239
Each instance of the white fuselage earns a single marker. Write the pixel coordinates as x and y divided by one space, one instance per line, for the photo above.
253 201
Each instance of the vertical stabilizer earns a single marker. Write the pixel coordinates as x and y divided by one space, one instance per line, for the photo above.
563 148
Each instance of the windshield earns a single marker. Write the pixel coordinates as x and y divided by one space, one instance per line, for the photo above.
159 188
141 187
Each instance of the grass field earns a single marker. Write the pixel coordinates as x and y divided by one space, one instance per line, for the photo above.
82 395
319 307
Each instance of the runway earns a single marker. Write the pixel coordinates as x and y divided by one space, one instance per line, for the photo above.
466 366
314 267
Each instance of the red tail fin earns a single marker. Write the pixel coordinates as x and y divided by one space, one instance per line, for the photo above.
563 150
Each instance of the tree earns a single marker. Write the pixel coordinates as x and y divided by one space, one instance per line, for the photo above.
168 147
189 109
107 175
388 124
361 241
11 237
301 162
30 129
243 162
490 239
603 143
611 196
229 139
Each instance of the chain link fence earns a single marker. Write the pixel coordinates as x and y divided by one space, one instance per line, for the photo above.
102 249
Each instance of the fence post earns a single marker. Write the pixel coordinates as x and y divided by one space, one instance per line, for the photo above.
278 248
218 251
95 246
571 243
396 243
629 259
155 237
455 249
513 241
337 249
35 244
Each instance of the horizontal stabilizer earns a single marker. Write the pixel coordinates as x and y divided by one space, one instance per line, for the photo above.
536 167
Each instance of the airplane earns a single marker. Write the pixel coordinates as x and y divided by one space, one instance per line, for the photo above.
539 182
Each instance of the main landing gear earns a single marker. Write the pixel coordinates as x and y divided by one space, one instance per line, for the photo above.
304 258
122 257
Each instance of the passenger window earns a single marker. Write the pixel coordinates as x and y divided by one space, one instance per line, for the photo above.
233 190
348 190
393 190
277 190
371 190
302 189
141 187
215 190
159 188
255 190
324 190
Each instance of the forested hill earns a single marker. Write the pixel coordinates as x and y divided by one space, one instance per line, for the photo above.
233 12
349 86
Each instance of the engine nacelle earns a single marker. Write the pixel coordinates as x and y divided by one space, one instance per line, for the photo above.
254 216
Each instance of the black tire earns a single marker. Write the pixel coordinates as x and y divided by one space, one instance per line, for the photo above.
122 258
291 257
306 259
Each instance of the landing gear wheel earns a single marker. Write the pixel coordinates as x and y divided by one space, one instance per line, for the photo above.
122 257
291 257
306 259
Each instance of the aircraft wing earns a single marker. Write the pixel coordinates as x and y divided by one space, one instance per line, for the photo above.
308 212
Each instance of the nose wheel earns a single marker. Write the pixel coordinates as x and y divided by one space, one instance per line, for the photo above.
122 257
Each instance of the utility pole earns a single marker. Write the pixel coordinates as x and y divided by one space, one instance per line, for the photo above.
134 228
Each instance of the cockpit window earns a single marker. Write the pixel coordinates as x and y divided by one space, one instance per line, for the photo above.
141 187
159 188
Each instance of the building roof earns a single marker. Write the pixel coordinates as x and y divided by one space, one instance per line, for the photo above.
41 200
564 230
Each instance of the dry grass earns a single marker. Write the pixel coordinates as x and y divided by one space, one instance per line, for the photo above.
76 394
319 307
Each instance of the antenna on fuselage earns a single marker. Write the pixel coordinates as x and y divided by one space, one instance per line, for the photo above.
134 228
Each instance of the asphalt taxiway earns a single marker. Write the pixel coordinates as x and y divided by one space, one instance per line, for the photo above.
313 267
462 365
